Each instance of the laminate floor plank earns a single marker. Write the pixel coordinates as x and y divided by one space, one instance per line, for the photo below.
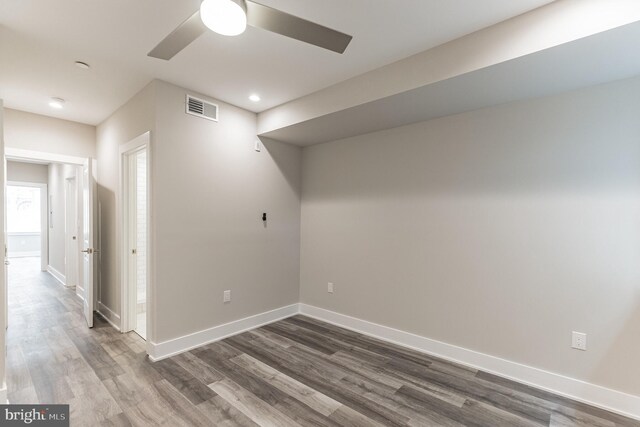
365 342
92 397
184 410
500 398
23 395
305 394
308 373
223 414
295 372
198 368
396 404
128 390
194 389
268 392
328 363
150 413
17 370
119 420
322 346
247 403
283 360
270 336
578 420
566 407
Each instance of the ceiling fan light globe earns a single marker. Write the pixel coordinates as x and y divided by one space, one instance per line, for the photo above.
226 17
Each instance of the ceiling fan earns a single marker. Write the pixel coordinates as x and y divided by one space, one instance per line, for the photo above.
231 17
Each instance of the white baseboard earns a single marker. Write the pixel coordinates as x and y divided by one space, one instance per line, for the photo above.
58 276
601 397
4 398
159 351
109 315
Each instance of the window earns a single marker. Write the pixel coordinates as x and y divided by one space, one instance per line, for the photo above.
23 209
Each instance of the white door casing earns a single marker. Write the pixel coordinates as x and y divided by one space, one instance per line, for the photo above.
127 227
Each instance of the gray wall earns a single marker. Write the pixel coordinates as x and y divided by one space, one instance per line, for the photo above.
27 172
134 118
210 189
30 131
501 230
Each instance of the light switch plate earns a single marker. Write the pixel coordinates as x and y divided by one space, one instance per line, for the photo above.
330 287
227 296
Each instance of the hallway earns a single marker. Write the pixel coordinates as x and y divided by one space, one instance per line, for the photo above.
52 357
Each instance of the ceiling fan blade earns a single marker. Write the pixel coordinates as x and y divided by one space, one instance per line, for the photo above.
179 38
273 20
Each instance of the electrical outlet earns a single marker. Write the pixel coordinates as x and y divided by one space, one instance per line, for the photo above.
226 296
330 287
579 341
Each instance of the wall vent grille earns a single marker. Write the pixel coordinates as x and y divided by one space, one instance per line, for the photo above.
201 108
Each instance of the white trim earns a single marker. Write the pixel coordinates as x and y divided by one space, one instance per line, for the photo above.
136 143
109 315
141 142
581 391
41 156
4 398
58 276
159 351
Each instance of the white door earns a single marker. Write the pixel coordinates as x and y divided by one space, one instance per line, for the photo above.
71 234
139 226
6 259
88 200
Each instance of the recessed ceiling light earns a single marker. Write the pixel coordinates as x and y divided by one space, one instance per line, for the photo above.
254 98
56 103
226 17
82 65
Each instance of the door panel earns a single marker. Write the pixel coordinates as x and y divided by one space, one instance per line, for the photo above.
71 234
88 202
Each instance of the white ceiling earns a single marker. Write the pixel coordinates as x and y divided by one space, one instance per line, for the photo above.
41 39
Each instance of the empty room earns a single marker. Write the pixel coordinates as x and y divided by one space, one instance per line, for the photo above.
320 213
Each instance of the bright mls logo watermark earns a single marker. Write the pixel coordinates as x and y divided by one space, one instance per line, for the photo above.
34 415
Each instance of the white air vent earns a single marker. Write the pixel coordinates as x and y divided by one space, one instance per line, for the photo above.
200 108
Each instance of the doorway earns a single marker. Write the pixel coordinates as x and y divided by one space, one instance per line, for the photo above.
135 179
53 214
27 222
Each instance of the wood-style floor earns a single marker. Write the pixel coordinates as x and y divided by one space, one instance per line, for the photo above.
297 371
